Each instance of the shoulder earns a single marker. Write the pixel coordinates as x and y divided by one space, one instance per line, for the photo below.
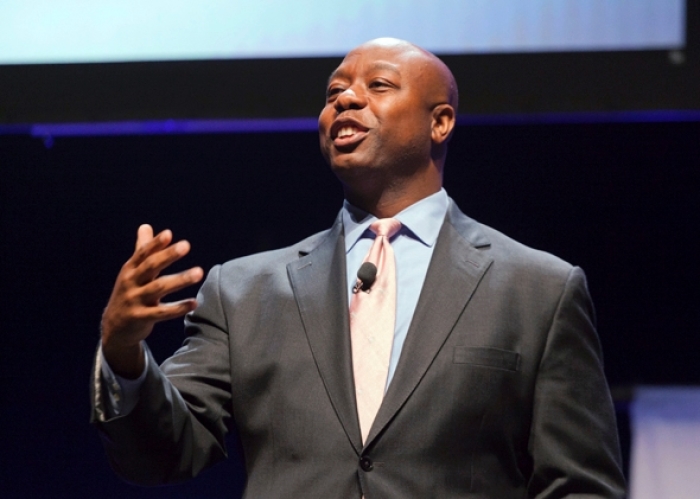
270 262
507 249
507 255
522 277
255 275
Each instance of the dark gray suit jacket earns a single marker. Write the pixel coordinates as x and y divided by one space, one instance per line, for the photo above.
499 392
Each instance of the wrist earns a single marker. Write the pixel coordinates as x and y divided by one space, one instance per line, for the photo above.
127 361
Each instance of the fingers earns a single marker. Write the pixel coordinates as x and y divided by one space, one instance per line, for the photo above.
147 244
143 235
152 266
166 311
152 292
172 310
139 276
124 326
134 305
153 254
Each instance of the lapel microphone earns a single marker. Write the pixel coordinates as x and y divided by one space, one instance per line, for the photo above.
366 276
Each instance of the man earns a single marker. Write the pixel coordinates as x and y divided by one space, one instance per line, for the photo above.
494 387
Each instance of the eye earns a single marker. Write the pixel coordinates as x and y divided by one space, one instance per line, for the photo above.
333 92
379 84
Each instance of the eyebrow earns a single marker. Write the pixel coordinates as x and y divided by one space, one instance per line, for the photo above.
374 67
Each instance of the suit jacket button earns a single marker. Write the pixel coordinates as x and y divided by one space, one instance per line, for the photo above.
366 464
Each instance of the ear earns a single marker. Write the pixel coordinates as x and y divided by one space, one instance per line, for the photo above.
443 123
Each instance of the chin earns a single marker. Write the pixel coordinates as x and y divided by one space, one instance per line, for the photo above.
351 159
348 165
358 176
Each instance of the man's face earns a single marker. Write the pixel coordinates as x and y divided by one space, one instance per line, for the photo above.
377 115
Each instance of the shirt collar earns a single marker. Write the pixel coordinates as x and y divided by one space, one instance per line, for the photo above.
421 221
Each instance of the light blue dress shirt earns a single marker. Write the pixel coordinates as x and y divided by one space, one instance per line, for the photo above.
413 248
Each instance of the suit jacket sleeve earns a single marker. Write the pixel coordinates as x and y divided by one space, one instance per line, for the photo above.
179 425
573 443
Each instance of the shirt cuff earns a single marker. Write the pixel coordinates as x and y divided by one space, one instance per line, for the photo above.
123 393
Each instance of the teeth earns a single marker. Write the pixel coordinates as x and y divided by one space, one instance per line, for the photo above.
347 130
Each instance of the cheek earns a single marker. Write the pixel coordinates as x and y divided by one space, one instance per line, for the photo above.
323 143
324 124
409 130
326 117
323 121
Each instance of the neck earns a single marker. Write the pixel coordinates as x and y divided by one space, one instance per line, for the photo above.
389 201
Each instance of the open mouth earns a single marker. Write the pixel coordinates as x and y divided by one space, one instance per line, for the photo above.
346 133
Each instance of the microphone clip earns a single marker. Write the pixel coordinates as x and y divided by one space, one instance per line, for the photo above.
365 278
360 286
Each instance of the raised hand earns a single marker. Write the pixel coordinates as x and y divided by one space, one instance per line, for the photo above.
135 304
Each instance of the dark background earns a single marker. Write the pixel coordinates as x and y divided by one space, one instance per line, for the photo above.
621 200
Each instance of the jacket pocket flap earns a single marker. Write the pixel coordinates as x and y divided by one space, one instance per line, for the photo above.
487 357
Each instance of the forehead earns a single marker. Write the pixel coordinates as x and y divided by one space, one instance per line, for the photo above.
367 59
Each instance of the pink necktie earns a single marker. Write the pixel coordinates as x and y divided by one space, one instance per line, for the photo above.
372 320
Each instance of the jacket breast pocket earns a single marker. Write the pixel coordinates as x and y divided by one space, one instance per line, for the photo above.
487 357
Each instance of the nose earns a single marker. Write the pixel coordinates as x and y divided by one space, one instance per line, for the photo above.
350 99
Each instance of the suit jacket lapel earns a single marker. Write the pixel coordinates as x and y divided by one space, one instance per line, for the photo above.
455 270
318 283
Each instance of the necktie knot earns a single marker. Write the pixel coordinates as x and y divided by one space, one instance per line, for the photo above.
386 227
